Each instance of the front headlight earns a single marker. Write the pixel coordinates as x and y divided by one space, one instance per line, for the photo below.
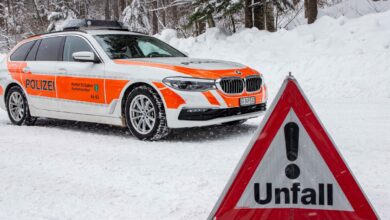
189 84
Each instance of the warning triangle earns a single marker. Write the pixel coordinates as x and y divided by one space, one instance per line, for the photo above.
292 170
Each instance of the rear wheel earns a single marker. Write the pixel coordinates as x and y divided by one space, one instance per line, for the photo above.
145 114
17 107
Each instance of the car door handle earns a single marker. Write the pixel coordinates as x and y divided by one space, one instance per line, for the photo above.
26 69
62 71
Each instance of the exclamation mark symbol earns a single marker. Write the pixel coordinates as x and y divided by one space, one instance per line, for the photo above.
291 135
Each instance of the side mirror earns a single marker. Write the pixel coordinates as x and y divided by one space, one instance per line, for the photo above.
85 56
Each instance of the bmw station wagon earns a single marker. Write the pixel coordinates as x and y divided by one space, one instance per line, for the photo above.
100 72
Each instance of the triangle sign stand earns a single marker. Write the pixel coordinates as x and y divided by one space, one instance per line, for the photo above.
292 169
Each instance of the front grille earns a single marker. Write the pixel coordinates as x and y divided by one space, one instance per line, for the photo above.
253 84
232 85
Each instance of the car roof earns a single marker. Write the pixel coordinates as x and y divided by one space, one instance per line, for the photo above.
90 32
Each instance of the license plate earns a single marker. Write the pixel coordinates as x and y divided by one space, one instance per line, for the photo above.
247 101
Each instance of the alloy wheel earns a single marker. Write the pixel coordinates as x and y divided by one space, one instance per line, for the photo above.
16 106
142 114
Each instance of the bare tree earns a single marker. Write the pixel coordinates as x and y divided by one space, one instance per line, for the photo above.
115 8
311 11
154 17
248 14
122 5
107 10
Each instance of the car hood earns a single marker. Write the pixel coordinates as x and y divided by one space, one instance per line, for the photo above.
200 68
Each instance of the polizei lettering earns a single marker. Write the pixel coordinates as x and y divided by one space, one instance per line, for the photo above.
295 195
45 85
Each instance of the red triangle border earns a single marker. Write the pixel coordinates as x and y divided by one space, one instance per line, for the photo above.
291 96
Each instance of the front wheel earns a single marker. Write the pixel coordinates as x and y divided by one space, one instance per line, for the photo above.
17 107
145 114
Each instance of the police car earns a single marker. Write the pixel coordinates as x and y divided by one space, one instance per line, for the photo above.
99 71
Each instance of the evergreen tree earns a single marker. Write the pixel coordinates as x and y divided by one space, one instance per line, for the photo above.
203 12
227 9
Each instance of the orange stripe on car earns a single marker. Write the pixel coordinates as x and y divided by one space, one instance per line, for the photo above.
66 87
81 89
197 73
15 69
1 90
211 98
38 85
172 99
114 88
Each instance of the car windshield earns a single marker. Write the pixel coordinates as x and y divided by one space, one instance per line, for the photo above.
124 46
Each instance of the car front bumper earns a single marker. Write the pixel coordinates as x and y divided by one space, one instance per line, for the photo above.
206 114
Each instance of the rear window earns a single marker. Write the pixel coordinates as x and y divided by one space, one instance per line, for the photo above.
49 49
33 52
22 51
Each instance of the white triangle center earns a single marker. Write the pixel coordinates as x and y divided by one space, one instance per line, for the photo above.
314 188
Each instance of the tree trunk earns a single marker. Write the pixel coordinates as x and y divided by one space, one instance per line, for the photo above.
259 16
200 27
154 18
233 24
174 16
210 21
122 5
163 13
2 12
248 14
115 7
305 4
311 11
107 10
270 18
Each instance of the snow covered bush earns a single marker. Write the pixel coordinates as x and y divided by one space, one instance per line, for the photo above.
58 17
135 17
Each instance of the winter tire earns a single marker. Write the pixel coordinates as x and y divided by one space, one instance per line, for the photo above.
17 107
145 114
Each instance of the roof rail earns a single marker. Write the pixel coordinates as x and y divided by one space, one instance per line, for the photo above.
53 32
85 24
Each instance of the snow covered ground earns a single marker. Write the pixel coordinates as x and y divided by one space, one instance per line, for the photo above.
64 170
69 170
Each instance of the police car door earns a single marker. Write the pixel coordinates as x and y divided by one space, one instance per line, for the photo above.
39 74
80 85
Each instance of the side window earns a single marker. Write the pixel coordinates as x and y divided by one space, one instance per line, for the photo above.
49 49
74 44
33 52
21 53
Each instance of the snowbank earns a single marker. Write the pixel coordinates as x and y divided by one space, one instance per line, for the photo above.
355 8
346 8
347 58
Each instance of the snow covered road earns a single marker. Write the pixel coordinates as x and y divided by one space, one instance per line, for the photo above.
68 170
